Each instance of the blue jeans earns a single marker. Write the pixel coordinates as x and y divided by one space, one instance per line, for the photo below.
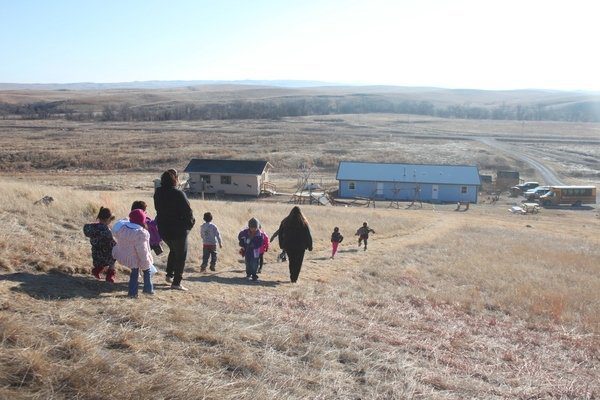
251 266
133 282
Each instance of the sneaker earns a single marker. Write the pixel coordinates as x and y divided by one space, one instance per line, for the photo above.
249 277
149 293
202 269
179 287
96 272
212 268
169 279
255 278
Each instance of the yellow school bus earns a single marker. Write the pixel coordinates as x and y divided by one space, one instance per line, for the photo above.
572 195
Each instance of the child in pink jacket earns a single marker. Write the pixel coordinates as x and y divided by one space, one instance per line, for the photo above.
263 249
133 250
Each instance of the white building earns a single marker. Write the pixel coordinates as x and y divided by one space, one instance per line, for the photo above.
239 177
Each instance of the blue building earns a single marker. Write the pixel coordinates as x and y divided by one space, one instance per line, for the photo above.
409 182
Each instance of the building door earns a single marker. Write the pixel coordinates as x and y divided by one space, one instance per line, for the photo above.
379 189
434 192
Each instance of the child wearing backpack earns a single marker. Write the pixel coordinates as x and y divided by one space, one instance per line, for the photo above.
336 239
133 250
150 226
102 243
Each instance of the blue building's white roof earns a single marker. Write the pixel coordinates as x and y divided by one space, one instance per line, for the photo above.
412 173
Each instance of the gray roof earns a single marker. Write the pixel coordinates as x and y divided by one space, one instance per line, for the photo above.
413 173
233 167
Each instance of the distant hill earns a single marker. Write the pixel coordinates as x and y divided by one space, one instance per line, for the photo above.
156 84
192 100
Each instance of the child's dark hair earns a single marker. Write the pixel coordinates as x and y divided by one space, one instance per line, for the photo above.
105 214
139 205
207 217
336 229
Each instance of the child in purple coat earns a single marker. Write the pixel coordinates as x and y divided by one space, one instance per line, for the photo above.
150 226
251 241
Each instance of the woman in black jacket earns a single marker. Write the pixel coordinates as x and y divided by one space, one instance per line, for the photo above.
295 239
175 219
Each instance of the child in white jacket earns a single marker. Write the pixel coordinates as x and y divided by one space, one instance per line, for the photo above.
133 250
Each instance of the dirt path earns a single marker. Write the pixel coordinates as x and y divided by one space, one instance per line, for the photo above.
550 177
317 266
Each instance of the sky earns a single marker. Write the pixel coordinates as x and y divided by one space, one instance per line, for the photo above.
480 44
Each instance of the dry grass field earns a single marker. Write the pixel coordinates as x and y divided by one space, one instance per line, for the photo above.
66 151
443 305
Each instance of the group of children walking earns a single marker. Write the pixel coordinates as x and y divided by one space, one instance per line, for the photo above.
132 239
129 242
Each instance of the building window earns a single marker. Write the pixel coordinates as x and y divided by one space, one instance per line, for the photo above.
225 180
351 185
205 178
463 189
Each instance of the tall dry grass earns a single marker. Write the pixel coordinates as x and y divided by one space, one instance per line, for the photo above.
443 305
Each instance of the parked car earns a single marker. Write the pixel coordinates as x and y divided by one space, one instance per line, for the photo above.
522 188
535 193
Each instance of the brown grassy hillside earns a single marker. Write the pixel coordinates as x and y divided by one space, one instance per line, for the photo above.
69 149
443 305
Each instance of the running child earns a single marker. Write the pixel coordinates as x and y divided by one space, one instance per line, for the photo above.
102 243
363 234
336 239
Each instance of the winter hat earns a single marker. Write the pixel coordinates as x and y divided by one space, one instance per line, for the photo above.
253 223
138 217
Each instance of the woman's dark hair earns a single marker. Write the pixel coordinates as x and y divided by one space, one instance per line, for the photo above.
336 229
105 214
207 217
295 218
139 205
167 179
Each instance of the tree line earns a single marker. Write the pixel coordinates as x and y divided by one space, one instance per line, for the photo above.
292 106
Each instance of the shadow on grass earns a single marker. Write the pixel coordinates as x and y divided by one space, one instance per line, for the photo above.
59 286
241 280
349 250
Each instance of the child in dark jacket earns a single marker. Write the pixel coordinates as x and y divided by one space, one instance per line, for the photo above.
363 234
102 243
251 241
336 239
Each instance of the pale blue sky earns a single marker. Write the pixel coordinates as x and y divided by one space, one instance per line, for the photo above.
505 44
